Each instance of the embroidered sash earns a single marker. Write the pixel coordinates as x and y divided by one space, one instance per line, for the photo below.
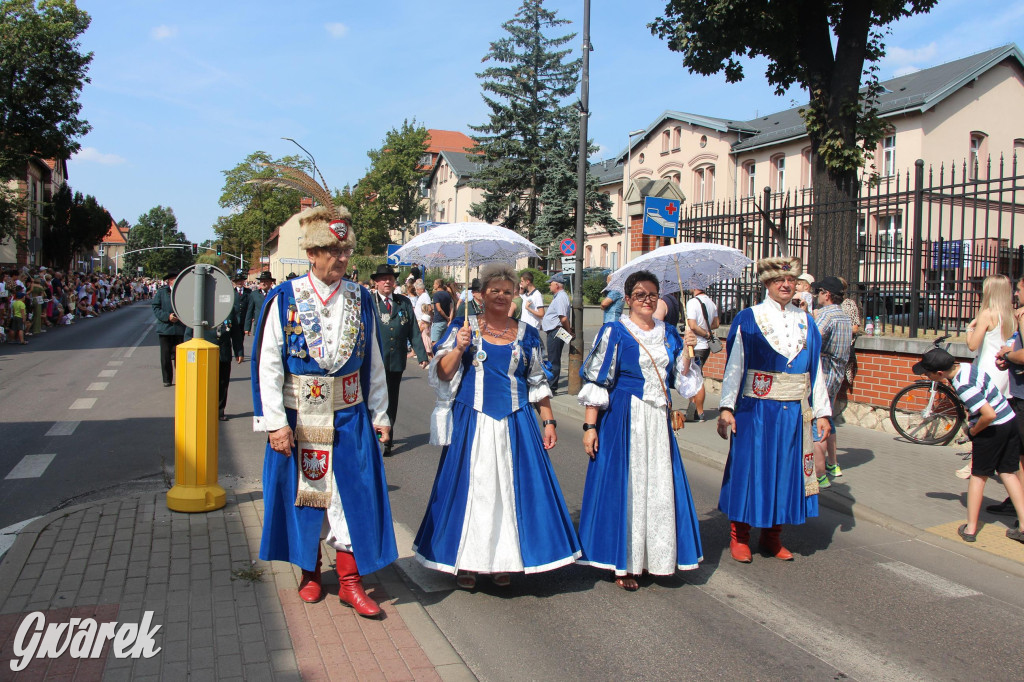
315 399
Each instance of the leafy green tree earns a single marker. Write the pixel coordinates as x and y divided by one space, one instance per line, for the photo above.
797 38
389 196
256 209
42 71
157 227
72 224
526 92
561 190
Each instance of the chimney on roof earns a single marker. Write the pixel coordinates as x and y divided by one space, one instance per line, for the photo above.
306 202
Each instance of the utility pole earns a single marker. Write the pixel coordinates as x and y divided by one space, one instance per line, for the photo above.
576 345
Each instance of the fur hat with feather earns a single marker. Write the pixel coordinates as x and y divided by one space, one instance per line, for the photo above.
325 225
773 268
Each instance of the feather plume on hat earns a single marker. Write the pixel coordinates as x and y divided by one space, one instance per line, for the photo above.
325 225
773 268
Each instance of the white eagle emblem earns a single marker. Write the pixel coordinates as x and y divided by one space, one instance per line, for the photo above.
808 463
350 388
314 463
762 384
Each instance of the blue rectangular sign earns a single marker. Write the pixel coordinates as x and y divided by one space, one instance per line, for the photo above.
391 260
661 217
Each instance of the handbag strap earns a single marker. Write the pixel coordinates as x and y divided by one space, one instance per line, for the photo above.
668 396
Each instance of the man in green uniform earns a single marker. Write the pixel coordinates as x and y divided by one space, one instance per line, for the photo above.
264 283
168 327
398 328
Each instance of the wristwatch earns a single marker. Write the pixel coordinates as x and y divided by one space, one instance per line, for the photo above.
587 427
550 421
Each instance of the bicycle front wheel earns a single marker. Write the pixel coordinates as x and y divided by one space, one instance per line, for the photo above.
927 413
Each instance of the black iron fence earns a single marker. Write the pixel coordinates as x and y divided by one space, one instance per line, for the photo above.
926 240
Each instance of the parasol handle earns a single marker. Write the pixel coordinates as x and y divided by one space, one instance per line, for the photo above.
465 320
682 300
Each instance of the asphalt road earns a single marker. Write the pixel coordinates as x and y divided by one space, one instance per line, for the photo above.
859 602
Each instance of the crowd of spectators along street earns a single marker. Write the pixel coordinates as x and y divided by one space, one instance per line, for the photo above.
35 299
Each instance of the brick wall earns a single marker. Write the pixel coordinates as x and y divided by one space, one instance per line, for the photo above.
883 367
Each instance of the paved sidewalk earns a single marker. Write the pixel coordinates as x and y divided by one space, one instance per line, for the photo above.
897 484
223 615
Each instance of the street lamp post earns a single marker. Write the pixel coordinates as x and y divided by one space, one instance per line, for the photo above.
625 190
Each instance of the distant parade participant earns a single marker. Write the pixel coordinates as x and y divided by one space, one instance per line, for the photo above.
398 328
774 352
238 312
320 393
168 327
264 283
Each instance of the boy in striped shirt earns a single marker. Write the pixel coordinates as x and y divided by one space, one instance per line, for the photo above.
996 443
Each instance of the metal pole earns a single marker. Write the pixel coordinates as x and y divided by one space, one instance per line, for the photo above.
915 250
576 346
200 301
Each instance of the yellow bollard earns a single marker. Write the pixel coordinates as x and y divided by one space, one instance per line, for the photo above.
195 429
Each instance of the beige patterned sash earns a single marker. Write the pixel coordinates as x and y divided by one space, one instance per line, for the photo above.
315 399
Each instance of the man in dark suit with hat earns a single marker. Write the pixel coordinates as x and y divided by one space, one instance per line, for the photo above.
398 328
264 283
237 318
168 327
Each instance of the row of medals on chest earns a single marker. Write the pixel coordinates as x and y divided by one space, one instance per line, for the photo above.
296 327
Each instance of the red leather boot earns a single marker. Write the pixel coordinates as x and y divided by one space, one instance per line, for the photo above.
739 541
310 587
350 587
771 542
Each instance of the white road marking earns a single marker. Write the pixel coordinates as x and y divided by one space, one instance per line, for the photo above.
106 373
63 428
938 584
31 466
426 579
803 628
128 353
83 404
115 363
10 533
98 386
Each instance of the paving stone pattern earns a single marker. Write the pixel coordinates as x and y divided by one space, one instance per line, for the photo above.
116 559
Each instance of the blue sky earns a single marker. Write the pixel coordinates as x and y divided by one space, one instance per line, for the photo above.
183 90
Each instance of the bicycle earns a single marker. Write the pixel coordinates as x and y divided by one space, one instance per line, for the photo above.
927 412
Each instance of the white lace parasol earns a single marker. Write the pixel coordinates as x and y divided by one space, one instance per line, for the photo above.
685 265
465 244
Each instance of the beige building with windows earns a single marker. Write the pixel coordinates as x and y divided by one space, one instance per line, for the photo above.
955 116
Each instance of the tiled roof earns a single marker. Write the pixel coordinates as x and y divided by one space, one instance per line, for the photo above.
448 140
918 91
607 172
114 235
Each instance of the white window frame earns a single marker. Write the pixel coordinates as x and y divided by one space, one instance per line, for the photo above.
889 156
889 237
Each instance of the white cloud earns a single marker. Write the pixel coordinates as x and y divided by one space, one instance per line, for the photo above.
93 155
337 29
900 55
164 32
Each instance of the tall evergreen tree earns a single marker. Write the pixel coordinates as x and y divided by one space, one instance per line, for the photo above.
526 92
561 190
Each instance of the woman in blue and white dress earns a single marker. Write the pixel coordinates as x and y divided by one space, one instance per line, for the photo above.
637 514
496 506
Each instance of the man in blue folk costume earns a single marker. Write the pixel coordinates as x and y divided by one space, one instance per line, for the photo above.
773 367
319 391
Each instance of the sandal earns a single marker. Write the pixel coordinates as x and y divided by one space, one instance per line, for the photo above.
466 581
627 582
501 579
968 537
